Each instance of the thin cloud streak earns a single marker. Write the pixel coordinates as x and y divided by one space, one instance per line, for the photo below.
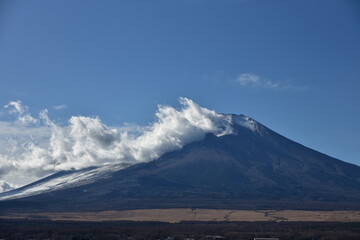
60 107
252 80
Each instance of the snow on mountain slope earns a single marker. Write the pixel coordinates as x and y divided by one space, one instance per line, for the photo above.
63 179
245 121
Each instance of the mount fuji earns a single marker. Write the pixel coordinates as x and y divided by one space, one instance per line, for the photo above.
251 168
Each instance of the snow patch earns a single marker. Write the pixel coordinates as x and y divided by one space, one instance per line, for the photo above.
246 122
71 179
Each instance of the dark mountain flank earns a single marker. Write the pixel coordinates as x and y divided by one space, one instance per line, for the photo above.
254 168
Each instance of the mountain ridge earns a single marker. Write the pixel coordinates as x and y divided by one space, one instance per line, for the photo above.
253 168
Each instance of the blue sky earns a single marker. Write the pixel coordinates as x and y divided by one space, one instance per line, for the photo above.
292 65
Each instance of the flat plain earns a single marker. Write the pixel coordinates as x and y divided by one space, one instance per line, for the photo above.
188 214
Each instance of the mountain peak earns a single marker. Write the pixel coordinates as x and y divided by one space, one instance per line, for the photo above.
242 120
239 170
192 157
245 121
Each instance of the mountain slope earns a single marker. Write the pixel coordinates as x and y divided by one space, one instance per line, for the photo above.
63 180
254 168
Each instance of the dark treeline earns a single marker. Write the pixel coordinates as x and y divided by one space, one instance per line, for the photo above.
38 229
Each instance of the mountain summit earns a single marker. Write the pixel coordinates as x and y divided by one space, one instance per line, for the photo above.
253 167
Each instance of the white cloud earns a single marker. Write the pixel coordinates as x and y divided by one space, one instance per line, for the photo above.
35 151
4 186
21 111
255 81
59 107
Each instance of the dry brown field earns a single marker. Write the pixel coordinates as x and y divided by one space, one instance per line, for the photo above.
178 215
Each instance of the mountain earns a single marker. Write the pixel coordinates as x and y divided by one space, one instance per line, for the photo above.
253 168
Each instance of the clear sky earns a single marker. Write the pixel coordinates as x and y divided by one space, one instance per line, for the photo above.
292 65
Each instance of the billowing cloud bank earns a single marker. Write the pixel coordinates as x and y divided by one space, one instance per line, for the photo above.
36 147
4 186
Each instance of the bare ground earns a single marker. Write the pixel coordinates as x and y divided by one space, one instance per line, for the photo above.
178 215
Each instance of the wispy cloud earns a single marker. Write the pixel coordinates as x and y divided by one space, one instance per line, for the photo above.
59 107
253 80
21 112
